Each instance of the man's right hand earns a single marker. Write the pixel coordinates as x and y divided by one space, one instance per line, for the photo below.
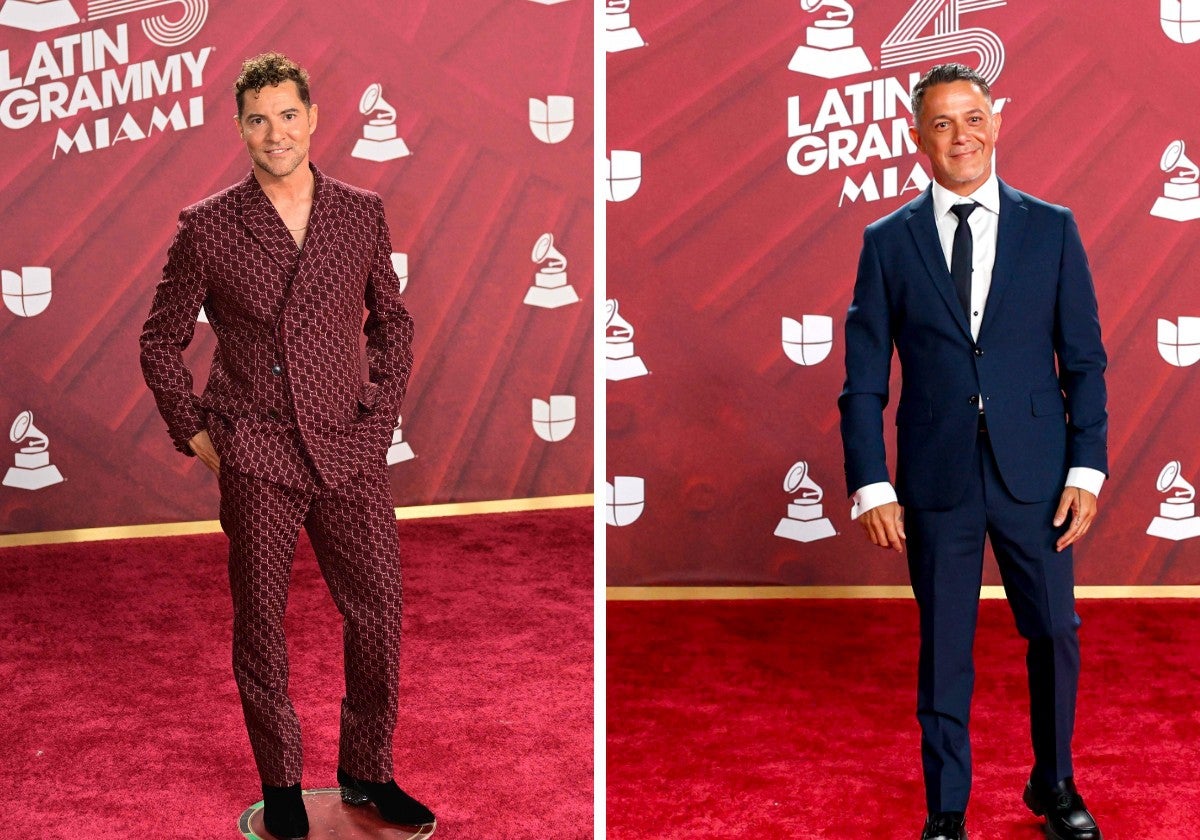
202 447
885 525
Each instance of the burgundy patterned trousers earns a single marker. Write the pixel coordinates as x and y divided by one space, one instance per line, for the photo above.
353 532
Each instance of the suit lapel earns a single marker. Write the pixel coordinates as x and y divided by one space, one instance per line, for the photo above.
1010 236
924 231
320 223
263 221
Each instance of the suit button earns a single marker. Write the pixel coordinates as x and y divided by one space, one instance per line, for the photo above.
277 370
973 399
978 351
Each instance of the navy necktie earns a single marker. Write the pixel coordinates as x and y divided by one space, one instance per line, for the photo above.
960 256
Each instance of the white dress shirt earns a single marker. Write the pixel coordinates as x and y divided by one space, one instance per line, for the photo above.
985 225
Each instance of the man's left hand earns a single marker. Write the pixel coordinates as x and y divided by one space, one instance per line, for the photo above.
1082 506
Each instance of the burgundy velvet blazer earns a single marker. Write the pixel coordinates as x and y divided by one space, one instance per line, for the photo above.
286 394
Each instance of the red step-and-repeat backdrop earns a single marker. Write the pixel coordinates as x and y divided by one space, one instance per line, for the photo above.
472 119
748 146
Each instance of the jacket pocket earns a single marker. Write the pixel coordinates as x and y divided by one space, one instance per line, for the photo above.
1047 403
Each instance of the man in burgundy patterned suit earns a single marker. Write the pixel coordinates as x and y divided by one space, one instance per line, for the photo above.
283 263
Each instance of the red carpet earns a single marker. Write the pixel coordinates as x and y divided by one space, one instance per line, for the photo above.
795 719
120 718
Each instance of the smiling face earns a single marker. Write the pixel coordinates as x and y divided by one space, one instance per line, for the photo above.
276 126
957 131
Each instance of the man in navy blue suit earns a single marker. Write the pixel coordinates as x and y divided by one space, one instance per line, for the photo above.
986 296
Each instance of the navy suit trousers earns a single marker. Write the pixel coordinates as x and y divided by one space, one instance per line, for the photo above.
945 554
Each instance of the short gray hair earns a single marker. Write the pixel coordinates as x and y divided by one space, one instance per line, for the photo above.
943 74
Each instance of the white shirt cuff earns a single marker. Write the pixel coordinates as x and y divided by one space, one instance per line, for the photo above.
872 496
1085 478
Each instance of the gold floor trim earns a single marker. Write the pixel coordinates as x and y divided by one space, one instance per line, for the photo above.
177 529
749 593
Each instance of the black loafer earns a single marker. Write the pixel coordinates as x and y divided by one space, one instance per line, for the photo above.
947 825
395 806
283 812
1067 818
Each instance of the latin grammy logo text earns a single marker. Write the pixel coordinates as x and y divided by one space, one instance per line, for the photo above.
619 34
1180 20
379 142
805 520
1180 200
28 293
624 500
1179 343
1176 518
38 15
399 450
829 50
550 288
551 121
400 266
32 470
554 420
808 341
624 174
620 360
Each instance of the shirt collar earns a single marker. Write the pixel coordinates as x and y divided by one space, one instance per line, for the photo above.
987 196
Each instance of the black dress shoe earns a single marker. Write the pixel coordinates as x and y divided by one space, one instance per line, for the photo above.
1067 818
283 812
947 825
395 806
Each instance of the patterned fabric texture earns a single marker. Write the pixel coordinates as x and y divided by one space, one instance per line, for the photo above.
285 389
301 438
353 533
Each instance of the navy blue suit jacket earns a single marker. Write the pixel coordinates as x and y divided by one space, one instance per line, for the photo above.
1038 362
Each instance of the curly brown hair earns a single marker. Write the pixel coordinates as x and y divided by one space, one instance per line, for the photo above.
268 69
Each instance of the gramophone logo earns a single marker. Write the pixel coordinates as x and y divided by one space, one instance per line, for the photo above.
26 293
624 174
624 500
930 32
380 141
400 266
1180 20
1179 342
38 15
829 50
809 340
170 29
619 34
33 469
620 359
552 120
1180 200
805 520
399 450
553 420
550 288
1176 518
